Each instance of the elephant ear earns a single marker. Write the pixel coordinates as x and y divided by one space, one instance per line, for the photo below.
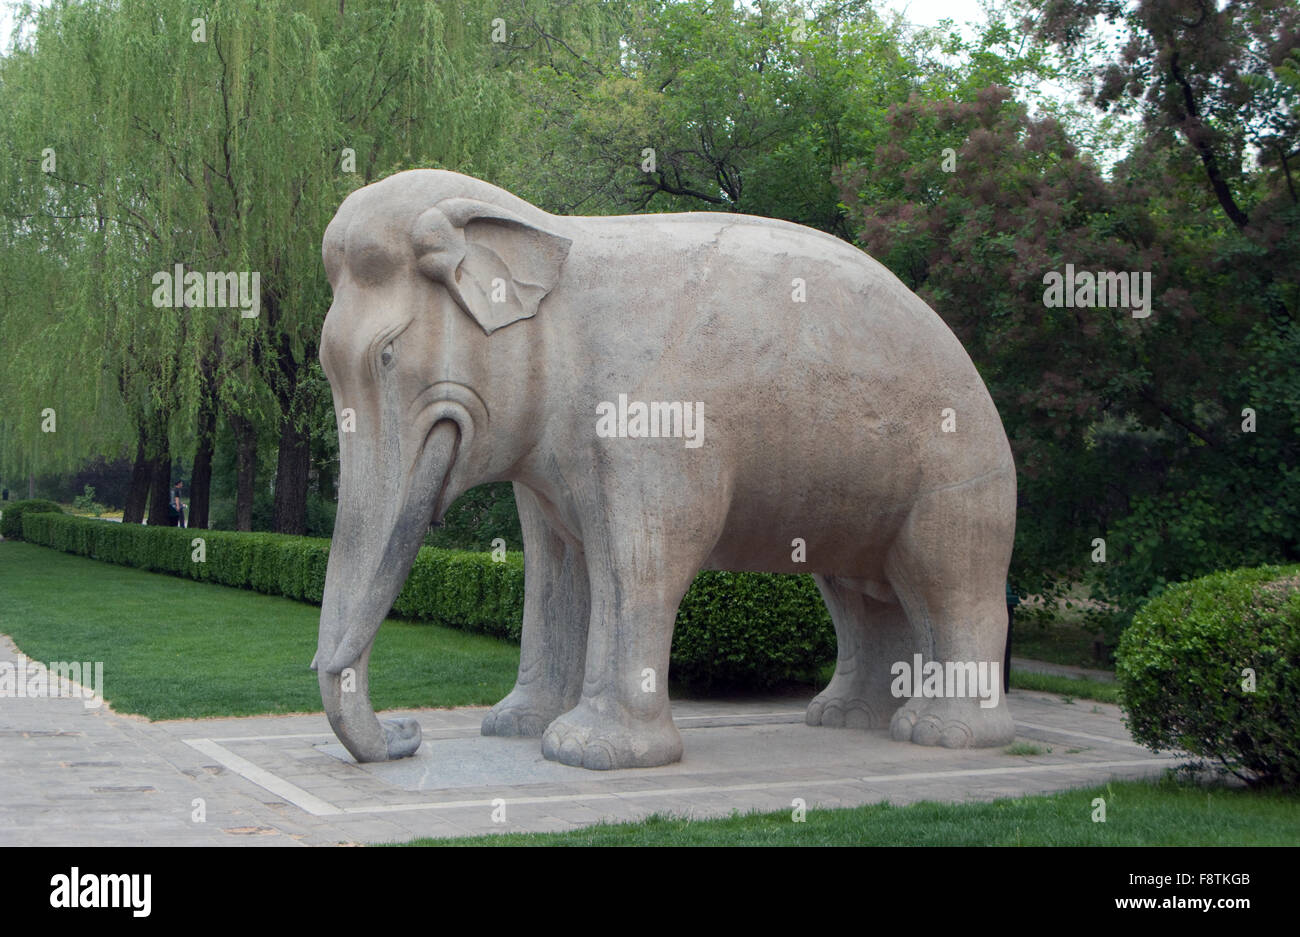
496 266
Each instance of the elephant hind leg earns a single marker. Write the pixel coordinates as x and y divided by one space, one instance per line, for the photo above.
870 635
948 566
552 654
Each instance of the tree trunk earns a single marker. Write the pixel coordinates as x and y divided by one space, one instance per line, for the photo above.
31 485
160 488
1194 131
201 483
293 463
245 470
292 467
294 460
137 496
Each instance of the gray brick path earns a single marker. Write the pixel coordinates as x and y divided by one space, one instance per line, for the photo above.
70 775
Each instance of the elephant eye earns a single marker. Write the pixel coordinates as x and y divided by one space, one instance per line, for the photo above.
387 355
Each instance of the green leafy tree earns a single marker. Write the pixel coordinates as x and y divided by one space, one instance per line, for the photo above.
221 140
1133 430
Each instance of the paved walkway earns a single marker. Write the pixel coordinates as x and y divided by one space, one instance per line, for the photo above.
70 775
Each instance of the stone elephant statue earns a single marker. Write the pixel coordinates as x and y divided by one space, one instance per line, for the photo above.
667 393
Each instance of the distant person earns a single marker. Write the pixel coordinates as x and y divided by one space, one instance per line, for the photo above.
176 509
6 495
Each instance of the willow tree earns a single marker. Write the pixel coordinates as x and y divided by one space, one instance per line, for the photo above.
217 141
330 101
64 233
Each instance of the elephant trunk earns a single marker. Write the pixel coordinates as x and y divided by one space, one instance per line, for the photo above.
347 704
377 534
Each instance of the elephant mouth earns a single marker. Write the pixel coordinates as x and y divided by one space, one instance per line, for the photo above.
451 430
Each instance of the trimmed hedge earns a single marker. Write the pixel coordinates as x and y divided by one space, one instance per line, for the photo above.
748 630
11 515
751 630
466 590
1182 672
270 563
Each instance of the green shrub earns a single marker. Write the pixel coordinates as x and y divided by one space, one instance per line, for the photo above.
750 630
477 518
11 519
465 590
1184 664
230 561
733 630
320 516
85 502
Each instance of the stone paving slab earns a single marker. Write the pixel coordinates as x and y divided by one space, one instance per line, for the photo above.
72 775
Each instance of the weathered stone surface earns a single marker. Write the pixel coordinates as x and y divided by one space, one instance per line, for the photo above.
813 416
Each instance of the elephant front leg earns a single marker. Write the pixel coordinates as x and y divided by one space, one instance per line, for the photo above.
557 605
624 719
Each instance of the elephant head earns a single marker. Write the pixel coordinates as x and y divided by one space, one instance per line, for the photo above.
408 347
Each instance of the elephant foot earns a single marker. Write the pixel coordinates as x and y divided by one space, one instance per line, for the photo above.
601 735
835 711
952 723
522 714
402 736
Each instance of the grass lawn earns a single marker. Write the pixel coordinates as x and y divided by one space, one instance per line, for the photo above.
1068 688
174 648
1059 642
200 649
1138 813
1063 637
1065 687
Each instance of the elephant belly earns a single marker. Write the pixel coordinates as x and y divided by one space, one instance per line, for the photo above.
773 542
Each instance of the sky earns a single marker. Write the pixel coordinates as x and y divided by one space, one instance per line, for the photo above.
6 23
930 12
